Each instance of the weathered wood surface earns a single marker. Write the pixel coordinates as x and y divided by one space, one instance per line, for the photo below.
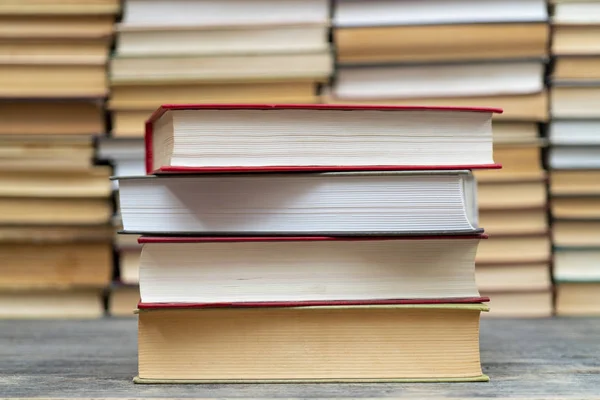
548 358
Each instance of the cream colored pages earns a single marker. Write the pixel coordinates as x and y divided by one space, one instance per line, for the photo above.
310 344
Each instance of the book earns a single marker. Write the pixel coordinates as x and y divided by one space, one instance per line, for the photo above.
59 7
123 300
510 304
66 153
514 249
52 304
257 67
577 264
52 117
182 41
573 13
575 182
574 157
42 27
126 155
52 81
514 277
575 40
520 221
452 42
149 97
412 342
512 195
55 52
576 207
439 80
575 100
414 202
33 266
574 132
307 270
205 13
578 299
514 133
205 138
416 12
578 233
523 107
577 68
521 161
91 183
54 211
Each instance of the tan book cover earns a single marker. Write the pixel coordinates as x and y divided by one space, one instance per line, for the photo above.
451 42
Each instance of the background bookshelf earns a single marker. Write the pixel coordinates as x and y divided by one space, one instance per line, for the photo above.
574 156
78 79
55 202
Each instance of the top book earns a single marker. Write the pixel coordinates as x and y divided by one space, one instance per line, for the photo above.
260 138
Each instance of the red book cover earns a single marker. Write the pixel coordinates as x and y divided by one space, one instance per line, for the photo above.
331 303
213 239
300 168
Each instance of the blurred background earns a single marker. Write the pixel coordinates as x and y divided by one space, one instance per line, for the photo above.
78 78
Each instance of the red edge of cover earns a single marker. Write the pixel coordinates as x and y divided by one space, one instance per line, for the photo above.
162 109
148 145
257 304
317 168
228 239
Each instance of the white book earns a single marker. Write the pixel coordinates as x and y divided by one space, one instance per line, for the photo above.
130 167
192 270
326 137
127 156
120 149
158 13
348 13
329 203
580 12
575 132
574 157
439 80
216 41
577 264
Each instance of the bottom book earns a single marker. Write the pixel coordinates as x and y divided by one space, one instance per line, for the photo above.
365 343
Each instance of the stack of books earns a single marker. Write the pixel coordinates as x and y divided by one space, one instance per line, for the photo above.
300 243
575 156
56 207
214 51
468 52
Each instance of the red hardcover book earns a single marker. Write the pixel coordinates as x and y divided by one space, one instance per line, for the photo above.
456 300
212 239
156 166
252 261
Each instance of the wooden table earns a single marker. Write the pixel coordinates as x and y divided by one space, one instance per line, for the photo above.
548 358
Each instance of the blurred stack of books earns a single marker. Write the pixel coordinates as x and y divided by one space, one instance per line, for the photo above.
575 156
476 53
55 233
208 51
